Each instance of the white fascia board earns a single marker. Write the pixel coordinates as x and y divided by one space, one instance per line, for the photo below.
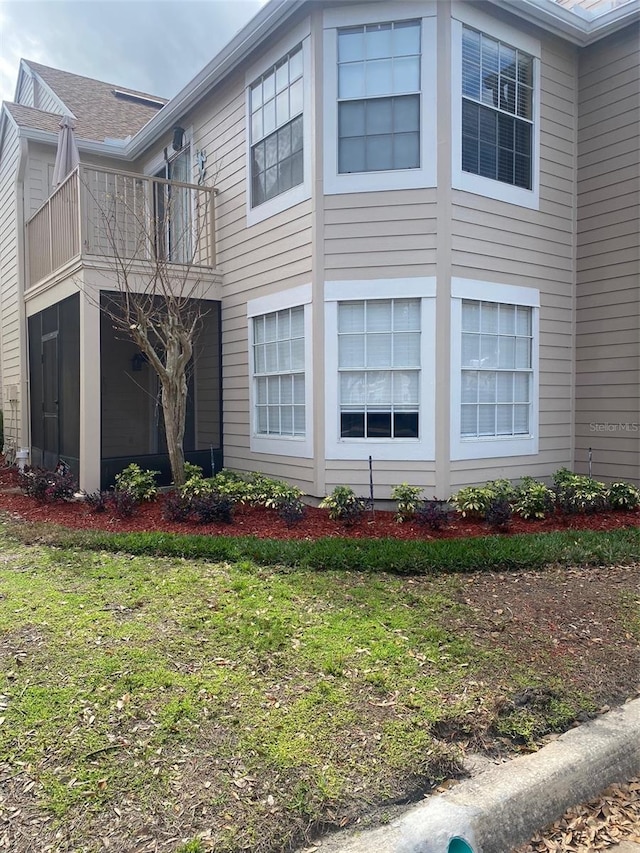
5 116
571 25
256 31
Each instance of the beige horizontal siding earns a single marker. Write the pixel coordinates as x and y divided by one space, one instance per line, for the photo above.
608 264
379 235
508 244
10 339
386 475
266 258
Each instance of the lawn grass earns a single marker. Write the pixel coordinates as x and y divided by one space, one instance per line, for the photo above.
247 696
482 553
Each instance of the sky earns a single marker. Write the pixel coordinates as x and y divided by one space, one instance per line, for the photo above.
155 46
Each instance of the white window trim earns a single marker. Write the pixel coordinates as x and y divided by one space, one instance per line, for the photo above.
394 179
487 448
284 445
296 195
467 180
422 448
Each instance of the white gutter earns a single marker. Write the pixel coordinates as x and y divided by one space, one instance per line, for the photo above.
579 28
575 25
105 149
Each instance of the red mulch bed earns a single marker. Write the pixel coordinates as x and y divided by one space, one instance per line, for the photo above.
251 521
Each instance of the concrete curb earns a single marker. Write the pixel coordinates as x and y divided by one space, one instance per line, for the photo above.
502 807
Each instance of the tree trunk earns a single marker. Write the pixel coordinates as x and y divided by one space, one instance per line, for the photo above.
174 409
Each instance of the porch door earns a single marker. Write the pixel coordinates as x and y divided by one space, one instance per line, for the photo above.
50 401
173 210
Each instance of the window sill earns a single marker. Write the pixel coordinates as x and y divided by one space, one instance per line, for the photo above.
479 185
396 449
489 448
282 445
284 201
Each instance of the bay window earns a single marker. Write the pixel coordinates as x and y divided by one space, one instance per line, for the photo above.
379 97
495 109
380 368
494 369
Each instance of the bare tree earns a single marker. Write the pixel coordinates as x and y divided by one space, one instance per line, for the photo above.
156 236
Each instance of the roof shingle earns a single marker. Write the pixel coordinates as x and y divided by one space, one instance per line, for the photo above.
30 117
101 113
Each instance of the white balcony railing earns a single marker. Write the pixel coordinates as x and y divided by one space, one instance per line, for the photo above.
104 213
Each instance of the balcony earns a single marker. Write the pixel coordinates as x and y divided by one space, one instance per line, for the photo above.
115 217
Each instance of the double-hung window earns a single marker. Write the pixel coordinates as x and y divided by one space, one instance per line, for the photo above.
276 101
278 112
278 370
494 369
379 88
495 109
379 368
497 369
379 97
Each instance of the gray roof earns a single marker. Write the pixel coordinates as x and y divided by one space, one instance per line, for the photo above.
100 112
30 117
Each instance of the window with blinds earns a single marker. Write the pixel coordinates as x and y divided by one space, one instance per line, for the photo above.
379 368
497 110
497 369
279 373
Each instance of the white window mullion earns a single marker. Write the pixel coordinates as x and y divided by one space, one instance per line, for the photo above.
506 418
281 396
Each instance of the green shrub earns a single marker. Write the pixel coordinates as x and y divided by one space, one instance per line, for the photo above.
502 489
408 498
623 496
195 487
270 493
533 499
191 470
343 505
139 483
576 493
473 501
231 485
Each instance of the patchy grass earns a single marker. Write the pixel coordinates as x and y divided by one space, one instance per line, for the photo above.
238 706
